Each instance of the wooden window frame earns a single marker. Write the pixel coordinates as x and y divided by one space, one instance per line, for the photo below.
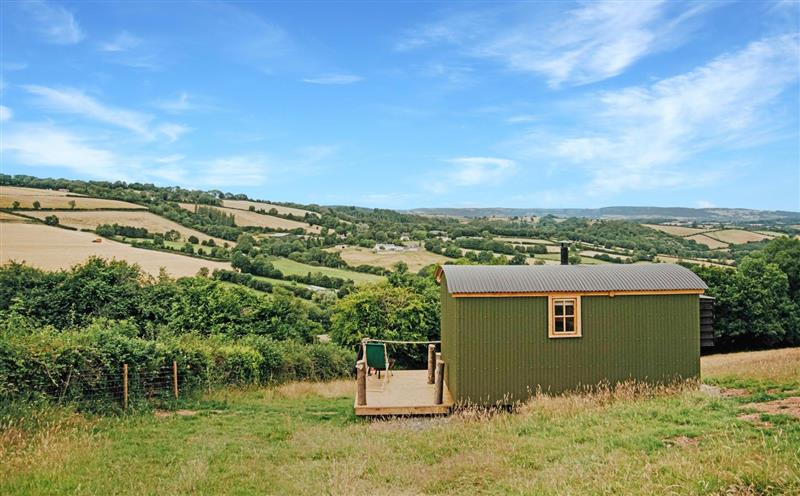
551 316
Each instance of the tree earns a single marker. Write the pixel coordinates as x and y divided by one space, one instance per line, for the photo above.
193 239
785 253
36 205
15 204
172 235
518 259
71 204
51 220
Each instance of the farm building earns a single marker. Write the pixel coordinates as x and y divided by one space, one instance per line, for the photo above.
508 331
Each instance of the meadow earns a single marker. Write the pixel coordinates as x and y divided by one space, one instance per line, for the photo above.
290 267
416 260
302 438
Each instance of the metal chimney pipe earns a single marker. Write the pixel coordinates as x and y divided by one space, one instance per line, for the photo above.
564 253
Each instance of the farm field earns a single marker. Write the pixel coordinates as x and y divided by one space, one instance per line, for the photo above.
668 259
676 230
556 257
591 253
710 242
289 267
55 199
8 217
302 438
515 240
53 248
416 260
247 218
90 219
246 204
737 236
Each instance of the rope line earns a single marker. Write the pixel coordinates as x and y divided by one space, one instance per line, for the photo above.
389 341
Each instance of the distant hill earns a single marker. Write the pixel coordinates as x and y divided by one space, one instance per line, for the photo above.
628 213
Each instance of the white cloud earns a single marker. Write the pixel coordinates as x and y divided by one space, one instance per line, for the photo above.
45 145
5 113
123 42
182 103
592 42
237 170
54 23
705 204
72 101
469 172
334 79
643 137
521 119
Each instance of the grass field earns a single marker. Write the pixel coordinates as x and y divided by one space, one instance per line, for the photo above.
289 267
53 248
247 218
416 260
245 205
54 199
669 259
151 222
737 236
676 230
303 438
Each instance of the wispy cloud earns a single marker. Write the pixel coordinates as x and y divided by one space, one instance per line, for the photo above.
469 172
184 102
592 42
5 113
123 42
54 23
73 101
334 79
645 137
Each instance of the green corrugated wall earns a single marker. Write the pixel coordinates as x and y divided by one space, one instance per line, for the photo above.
497 349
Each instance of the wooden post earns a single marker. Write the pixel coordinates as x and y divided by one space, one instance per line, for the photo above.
175 378
125 386
431 363
361 379
439 395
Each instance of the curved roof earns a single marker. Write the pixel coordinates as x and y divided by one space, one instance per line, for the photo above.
466 279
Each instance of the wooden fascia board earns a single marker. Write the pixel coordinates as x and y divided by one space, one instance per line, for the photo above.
581 293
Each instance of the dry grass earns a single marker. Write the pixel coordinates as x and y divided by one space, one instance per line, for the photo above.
710 242
93 218
54 199
8 217
246 218
52 248
774 365
245 205
705 263
416 260
676 230
737 236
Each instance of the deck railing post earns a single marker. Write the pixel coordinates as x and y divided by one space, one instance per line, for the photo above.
439 391
431 363
361 379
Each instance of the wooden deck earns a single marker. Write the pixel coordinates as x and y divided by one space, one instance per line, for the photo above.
406 393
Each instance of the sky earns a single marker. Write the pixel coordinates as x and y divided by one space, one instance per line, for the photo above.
412 104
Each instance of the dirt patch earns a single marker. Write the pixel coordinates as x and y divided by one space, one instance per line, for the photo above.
786 406
180 413
682 441
754 418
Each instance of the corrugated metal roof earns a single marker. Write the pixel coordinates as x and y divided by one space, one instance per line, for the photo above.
572 278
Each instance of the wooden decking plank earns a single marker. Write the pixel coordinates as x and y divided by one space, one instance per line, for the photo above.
406 393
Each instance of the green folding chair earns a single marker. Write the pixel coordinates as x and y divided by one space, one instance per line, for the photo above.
377 358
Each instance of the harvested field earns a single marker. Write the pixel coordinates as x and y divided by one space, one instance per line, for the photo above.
737 236
366 256
7 217
246 204
592 253
90 219
706 263
55 199
247 218
710 242
53 248
774 365
675 230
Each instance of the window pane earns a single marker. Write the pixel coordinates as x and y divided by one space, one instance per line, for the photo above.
570 321
559 308
559 325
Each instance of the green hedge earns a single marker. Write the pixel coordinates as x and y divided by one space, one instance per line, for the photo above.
85 366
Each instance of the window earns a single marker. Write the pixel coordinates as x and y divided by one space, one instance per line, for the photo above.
565 317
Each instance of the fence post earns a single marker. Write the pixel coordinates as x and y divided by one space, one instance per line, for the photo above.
439 382
361 379
431 363
125 386
175 378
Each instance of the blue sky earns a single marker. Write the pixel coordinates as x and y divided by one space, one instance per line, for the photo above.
411 104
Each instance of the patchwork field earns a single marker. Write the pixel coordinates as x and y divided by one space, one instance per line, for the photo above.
676 230
53 248
248 218
529 241
90 219
416 260
737 236
55 199
710 242
730 437
668 259
246 204
592 253
291 267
